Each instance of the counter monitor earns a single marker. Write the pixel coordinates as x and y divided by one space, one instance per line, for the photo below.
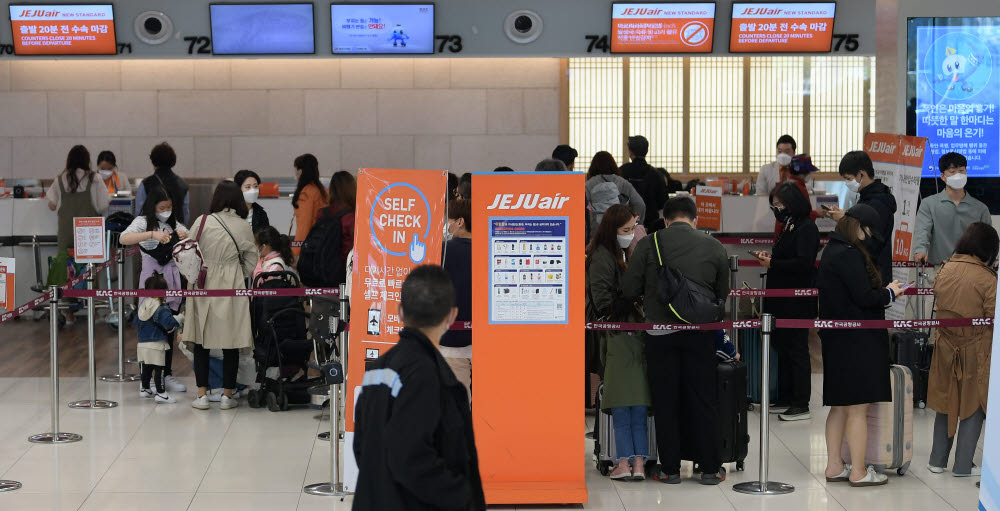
262 29
784 27
78 29
383 28
662 27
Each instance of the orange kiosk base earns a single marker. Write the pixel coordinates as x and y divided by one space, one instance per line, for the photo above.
528 347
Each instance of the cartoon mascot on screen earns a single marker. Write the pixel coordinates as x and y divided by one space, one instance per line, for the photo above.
959 68
398 38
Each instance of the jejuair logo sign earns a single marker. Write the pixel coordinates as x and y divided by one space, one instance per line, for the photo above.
527 201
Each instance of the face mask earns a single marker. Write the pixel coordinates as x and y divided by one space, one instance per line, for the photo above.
164 216
625 241
448 235
781 215
957 181
853 186
106 174
250 196
783 159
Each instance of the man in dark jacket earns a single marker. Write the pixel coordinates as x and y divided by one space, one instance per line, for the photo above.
645 179
681 364
413 440
856 167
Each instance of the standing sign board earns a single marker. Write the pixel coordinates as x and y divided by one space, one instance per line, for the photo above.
709 201
898 161
6 283
399 225
528 331
88 240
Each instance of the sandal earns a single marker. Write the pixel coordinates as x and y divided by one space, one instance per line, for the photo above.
872 478
845 475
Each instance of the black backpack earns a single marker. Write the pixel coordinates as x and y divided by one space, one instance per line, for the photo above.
320 263
690 301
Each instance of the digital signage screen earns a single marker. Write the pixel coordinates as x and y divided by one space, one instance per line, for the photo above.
662 27
262 29
63 29
953 89
383 28
784 27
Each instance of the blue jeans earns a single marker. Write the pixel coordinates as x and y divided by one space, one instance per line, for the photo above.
215 375
631 433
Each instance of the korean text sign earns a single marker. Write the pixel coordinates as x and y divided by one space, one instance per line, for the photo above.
399 225
662 28
88 240
6 283
63 29
709 202
782 27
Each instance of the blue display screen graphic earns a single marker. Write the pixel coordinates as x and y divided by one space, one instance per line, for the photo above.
956 70
262 29
383 28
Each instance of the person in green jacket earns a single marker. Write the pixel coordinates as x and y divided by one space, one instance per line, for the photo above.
626 391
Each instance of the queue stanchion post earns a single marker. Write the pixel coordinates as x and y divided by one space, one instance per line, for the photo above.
55 436
92 403
734 304
121 376
763 486
9 486
334 488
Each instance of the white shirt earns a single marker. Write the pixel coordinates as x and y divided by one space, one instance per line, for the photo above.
769 178
98 191
139 225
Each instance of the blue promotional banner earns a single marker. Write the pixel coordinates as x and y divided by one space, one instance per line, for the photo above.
989 493
957 109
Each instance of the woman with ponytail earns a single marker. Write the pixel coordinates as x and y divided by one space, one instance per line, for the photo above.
275 252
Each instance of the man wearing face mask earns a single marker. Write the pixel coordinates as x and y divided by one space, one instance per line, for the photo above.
771 175
943 217
856 167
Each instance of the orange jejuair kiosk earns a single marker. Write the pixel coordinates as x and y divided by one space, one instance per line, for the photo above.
528 336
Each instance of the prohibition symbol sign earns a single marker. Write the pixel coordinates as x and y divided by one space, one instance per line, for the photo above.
694 33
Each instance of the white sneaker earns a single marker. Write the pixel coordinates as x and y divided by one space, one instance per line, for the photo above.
215 396
228 403
165 398
935 470
173 385
976 472
201 403
146 393
872 478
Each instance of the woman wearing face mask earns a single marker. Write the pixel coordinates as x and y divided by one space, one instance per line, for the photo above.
309 198
798 172
456 346
249 183
156 231
792 265
966 287
855 362
626 392
114 179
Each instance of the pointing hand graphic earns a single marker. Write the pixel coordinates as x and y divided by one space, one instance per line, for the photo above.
418 250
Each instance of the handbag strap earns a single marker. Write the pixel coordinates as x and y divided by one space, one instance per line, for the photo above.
201 228
235 244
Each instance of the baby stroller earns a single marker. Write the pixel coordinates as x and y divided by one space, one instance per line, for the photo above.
281 347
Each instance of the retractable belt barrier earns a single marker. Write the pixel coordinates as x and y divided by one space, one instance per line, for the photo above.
200 293
895 264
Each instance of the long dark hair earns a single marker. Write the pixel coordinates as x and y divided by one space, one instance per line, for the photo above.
78 158
607 232
154 196
343 191
848 228
602 164
309 166
229 195
278 242
980 240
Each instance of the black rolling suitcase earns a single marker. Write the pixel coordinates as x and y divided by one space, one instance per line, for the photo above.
731 385
912 348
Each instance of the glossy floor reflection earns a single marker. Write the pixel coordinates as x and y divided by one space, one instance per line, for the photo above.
173 458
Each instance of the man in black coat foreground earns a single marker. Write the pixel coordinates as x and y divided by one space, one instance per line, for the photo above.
413 426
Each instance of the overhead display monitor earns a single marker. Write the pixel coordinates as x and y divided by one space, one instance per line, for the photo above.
262 29
383 28
953 86
662 27
63 29
784 27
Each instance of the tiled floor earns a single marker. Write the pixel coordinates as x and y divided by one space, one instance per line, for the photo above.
142 456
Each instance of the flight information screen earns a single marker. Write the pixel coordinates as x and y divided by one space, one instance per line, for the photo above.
262 29
383 28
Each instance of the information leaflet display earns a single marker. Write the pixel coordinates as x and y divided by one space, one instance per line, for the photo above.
782 27
527 319
262 29
63 29
383 28
897 161
88 240
399 225
662 28
7 283
954 90
528 270
709 202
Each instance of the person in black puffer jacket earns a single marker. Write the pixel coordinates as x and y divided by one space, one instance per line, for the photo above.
856 167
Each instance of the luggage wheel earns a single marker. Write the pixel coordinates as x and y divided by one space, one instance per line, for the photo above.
921 405
604 468
902 470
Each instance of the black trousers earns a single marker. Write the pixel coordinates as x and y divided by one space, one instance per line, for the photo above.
230 365
169 362
154 374
794 367
681 368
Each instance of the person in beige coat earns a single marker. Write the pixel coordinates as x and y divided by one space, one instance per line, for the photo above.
230 253
965 287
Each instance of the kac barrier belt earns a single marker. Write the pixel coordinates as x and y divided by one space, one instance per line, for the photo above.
199 293
883 323
758 241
